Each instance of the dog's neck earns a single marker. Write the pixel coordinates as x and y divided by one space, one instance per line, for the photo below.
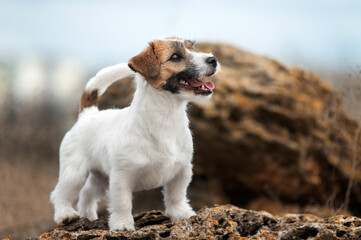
159 107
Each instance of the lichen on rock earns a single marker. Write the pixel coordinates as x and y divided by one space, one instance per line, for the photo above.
219 222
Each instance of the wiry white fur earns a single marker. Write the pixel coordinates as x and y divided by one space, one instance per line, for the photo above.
143 146
107 76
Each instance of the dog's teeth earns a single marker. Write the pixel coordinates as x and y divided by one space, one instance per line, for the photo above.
202 87
183 82
186 83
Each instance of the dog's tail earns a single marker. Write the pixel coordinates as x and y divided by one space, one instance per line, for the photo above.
98 84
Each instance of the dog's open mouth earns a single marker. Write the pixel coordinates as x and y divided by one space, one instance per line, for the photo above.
196 85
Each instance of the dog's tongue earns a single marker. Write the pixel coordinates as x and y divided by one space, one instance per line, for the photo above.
209 85
197 83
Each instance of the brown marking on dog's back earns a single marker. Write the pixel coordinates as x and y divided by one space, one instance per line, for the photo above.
88 99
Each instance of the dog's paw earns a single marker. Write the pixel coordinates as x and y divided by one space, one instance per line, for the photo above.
178 214
90 214
120 223
121 226
70 219
182 215
66 217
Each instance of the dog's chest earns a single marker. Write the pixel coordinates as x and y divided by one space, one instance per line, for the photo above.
166 152
155 175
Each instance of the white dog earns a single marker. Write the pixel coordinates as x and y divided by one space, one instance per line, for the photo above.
144 146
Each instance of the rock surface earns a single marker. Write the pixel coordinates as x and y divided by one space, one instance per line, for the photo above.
275 129
220 222
270 131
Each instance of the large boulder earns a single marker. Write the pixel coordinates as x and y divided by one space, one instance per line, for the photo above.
221 222
276 131
270 131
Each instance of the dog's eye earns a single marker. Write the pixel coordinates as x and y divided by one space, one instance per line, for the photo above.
175 58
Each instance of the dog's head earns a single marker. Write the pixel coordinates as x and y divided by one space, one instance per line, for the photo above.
172 65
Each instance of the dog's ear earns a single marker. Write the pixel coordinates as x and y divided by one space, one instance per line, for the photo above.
189 44
146 63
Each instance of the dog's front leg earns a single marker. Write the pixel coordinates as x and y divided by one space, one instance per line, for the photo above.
175 195
120 205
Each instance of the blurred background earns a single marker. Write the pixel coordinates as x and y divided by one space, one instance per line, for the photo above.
48 50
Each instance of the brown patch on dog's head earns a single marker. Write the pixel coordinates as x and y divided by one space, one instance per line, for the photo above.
146 63
173 38
189 44
160 60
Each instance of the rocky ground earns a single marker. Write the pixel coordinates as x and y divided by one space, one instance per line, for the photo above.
219 222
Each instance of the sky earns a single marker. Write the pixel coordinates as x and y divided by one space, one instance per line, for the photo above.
308 33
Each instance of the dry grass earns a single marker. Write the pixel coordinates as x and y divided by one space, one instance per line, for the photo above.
349 85
24 199
29 142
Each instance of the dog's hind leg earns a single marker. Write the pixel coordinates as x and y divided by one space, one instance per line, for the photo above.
72 176
93 191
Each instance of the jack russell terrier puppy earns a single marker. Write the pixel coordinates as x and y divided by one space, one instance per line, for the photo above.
143 146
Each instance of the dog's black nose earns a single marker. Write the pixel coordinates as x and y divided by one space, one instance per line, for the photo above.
212 61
